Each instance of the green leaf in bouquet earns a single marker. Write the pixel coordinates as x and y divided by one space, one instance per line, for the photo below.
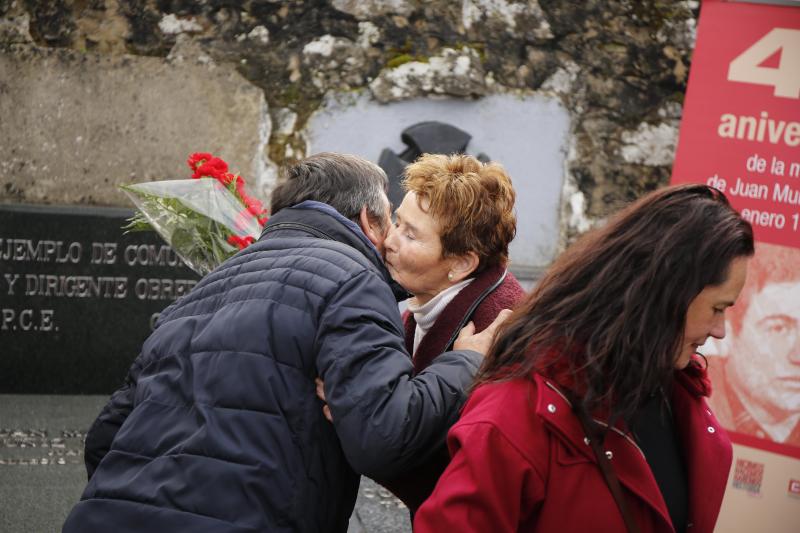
137 222
196 217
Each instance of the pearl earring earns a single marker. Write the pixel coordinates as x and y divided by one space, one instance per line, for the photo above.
450 276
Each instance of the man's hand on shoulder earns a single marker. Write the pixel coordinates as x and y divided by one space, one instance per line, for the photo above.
480 342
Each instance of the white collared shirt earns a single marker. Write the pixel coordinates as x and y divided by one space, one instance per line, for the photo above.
426 315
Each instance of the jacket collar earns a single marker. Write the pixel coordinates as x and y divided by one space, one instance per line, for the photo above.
453 317
627 460
706 447
319 220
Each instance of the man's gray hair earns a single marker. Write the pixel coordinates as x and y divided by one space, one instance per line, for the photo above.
345 182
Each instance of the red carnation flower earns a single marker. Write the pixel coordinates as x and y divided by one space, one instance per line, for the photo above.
197 159
226 178
254 206
213 168
240 186
241 242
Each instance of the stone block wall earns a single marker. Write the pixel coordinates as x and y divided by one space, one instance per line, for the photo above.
619 67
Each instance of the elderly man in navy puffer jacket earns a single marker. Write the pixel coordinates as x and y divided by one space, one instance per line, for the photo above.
217 427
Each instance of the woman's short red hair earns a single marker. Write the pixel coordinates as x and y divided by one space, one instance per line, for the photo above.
472 202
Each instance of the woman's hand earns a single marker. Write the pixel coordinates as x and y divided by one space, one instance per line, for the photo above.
481 342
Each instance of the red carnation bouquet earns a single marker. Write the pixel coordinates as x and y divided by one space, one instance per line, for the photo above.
206 219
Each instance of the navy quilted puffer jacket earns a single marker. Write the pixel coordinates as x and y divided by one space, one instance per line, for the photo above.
217 427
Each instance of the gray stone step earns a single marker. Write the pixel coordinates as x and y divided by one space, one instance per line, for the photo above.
42 473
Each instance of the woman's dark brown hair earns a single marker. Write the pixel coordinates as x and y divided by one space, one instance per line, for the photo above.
611 310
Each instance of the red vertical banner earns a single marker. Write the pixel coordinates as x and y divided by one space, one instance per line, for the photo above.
741 126
740 133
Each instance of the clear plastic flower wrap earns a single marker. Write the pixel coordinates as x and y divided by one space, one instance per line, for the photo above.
205 220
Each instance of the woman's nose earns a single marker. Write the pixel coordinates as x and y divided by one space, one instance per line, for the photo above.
388 243
718 328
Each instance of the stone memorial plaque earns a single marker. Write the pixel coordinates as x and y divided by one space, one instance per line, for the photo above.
78 297
528 135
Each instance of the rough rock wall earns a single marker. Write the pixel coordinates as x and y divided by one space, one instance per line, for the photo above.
620 66
76 125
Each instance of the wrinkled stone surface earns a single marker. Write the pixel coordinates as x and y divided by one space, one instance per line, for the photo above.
364 9
378 511
454 73
649 144
76 126
368 34
15 30
338 62
615 64
519 19
172 25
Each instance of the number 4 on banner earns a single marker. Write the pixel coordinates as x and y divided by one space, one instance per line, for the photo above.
786 77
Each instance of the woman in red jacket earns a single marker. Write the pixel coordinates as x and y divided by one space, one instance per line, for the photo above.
449 248
590 414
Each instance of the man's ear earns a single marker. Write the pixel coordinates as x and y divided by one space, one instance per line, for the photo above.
461 266
371 229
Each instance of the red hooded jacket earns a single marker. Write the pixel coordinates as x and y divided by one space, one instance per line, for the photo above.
520 463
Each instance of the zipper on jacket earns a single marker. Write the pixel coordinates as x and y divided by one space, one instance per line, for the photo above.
472 308
598 420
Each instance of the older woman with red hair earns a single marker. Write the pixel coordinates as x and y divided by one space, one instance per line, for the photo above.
449 248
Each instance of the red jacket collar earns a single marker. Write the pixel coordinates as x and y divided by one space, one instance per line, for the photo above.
704 442
694 378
